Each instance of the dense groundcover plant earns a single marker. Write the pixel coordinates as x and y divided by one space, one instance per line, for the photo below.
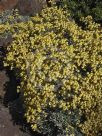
60 68
10 17
83 8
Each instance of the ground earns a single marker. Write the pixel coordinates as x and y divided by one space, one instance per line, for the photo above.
10 121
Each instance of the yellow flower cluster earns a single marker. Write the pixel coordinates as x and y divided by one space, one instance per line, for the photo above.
60 66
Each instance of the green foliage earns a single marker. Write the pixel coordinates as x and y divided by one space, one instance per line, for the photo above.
60 123
83 8
60 66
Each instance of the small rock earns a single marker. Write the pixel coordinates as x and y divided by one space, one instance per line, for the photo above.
30 7
26 7
7 4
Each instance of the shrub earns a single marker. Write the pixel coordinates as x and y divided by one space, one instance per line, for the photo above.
83 8
60 67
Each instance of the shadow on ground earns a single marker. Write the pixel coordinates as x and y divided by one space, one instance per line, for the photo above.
14 102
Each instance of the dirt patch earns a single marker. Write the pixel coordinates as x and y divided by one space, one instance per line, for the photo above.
6 125
3 80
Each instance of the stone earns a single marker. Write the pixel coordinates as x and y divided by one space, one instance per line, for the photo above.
7 4
30 7
26 7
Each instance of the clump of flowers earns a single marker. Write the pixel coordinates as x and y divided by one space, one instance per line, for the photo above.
60 67
9 18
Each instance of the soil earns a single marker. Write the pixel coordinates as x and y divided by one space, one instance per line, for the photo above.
6 124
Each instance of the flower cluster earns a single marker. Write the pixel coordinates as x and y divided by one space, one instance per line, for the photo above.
60 66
